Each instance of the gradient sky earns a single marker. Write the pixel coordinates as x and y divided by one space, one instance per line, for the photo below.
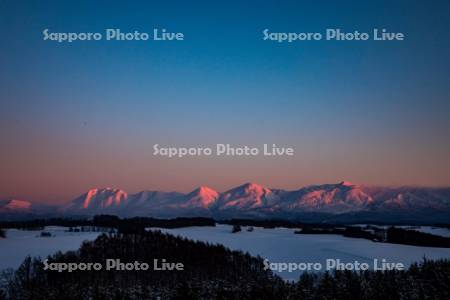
86 114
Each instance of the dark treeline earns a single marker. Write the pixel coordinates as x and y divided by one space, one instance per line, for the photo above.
412 237
267 223
273 223
425 280
391 235
210 272
347 231
394 235
109 221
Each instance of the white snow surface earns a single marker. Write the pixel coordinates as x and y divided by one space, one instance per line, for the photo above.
276 245
18 244
282 245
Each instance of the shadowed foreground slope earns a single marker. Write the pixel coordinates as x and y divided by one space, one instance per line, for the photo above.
210 272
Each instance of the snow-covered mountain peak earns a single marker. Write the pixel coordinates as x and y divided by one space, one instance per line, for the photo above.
202 197
252 188
102 198
252 199
16 205
246 196
205 192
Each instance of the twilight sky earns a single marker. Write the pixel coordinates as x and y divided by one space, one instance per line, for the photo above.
87 114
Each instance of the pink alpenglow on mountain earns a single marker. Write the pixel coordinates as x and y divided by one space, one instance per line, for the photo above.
202 197
18 205
247 196
97 200
327 202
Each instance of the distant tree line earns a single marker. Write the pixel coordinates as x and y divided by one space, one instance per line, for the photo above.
125 225
273 223
347 231
412 237
394 235
236 228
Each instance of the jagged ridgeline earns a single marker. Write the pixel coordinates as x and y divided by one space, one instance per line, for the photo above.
342 202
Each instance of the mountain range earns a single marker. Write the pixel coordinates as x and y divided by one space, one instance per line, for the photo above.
341 202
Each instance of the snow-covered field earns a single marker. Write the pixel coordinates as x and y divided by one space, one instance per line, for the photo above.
21 243
282 245
278 245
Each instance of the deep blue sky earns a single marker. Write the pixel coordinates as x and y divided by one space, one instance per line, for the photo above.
86 114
